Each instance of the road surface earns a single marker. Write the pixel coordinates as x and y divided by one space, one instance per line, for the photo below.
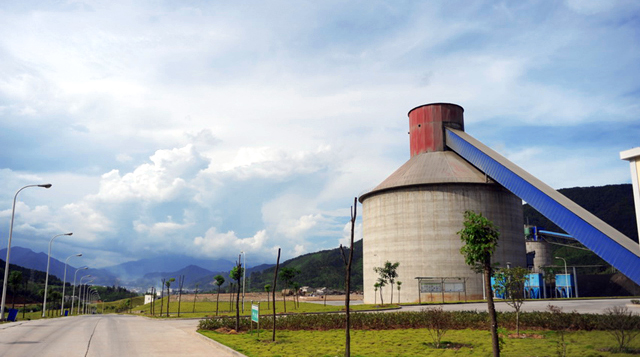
106 335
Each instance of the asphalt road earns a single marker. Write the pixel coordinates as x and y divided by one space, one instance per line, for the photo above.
106 335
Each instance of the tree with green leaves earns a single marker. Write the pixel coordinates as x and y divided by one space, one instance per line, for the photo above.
167 283
218 280
388 272
398 285
15 279
236 274
510 282
287 274
480 239
267 288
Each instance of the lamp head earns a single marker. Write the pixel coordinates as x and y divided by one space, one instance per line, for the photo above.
45 185
79 255
68 234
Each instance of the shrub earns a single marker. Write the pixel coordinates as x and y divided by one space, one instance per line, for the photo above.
622 325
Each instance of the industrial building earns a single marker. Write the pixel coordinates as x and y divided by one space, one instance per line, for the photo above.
413 216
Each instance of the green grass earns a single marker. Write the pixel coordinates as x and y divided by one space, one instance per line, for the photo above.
413 342
208 308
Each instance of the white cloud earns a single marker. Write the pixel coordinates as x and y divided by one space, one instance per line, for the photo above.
213 242
263 121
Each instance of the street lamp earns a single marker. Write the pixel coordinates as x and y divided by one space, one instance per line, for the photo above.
73 295
80 292
46 279
85 294
566 276
6 262
64 281
565 265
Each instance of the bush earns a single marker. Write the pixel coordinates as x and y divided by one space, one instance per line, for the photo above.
456 320
622 324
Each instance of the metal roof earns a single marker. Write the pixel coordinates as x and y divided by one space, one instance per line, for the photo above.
431 168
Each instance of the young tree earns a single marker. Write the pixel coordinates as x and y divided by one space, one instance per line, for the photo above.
398 284
161 296
15 279
376 286
347 263
195 297
389 273
168 285
510 282
236 274
267 288
275 281
180 284
480 239
288 274
381 283
296 296
218 280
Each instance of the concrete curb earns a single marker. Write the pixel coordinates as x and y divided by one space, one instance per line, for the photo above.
219 346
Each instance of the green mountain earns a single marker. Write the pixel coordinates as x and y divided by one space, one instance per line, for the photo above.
321 269
612 204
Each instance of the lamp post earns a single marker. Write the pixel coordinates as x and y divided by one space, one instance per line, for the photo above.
46 279
565 264
244 275
73 295
80 292
87 290
566 276
6 262
64 281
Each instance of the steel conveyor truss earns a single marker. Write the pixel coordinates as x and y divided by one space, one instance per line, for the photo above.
612 246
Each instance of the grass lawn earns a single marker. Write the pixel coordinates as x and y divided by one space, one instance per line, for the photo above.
414 342
206 308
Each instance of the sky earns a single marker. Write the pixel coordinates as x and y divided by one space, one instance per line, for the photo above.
208 128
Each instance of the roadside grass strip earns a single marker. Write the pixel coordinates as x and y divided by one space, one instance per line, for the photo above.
416 342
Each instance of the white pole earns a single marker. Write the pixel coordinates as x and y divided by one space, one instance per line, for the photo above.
6 262
73 295
46 279
64 281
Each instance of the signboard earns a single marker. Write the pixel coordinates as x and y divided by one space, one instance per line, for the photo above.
255 313
454 287
430 287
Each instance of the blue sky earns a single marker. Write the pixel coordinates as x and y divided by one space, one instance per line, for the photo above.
209 127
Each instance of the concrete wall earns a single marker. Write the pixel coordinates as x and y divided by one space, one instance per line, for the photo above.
417 226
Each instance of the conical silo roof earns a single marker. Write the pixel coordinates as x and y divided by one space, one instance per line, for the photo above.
431 168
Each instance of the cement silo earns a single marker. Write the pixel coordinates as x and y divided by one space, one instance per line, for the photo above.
414 215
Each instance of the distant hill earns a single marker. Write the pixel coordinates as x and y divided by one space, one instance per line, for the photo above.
321 269
131 271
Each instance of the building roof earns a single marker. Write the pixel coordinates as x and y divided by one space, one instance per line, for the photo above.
431 168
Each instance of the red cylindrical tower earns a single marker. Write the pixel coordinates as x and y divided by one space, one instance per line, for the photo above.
427 123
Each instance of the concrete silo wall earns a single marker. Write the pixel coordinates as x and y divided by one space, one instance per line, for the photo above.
417 227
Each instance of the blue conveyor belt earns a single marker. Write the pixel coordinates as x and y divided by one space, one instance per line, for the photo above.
608 243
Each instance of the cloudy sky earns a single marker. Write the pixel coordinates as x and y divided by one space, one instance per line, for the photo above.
212 127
